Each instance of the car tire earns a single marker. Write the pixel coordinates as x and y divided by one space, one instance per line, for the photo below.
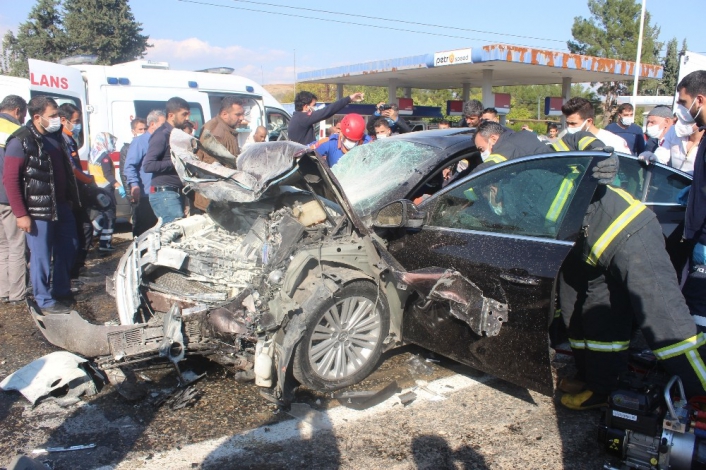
335 352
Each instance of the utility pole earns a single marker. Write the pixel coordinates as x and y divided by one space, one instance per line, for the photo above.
639 54
295 72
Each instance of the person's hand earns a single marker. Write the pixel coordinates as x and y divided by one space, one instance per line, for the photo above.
647 157
606 170
391 113
446 173
24 223
357 97
135 194
121 191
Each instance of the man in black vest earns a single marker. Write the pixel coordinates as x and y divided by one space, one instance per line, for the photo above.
42 190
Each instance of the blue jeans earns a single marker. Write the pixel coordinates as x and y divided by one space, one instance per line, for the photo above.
167 205
59 238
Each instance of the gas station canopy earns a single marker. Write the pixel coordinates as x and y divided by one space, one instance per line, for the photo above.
492 65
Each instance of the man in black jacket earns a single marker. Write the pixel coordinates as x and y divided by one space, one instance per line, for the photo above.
42 190
301 126
165 192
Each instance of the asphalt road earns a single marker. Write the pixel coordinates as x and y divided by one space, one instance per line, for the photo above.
459 418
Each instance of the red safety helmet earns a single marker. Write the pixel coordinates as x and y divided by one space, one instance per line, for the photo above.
353 127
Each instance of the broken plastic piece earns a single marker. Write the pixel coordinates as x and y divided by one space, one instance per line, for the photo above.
63 449
366 399
60 374
407 398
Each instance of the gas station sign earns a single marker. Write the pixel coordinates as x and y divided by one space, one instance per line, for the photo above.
552 106
454 108
405 105
459 56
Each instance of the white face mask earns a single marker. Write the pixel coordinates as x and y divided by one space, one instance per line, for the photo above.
574 130
54 124
684 115
349 144
382 136
485 154
627 120
682 129
654 131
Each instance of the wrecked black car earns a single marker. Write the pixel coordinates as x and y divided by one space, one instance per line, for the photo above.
298 273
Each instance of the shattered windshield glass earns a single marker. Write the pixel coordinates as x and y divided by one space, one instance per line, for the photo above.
381 171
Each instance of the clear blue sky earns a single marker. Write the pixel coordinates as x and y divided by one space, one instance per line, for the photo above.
195 34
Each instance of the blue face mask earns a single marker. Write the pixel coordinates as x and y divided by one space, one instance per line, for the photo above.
76 130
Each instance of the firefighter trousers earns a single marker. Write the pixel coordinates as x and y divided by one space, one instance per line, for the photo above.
639 288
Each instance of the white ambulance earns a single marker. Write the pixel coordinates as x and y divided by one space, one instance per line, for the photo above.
110 97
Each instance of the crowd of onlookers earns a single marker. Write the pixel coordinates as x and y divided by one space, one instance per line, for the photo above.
53 207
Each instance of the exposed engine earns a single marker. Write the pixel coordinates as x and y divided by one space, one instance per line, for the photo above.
650 427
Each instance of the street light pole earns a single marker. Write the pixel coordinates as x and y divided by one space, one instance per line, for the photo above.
295 72
639 54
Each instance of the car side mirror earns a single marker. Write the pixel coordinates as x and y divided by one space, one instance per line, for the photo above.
402 213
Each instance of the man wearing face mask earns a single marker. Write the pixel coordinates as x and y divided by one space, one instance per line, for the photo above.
71 126
301 126
680 144
625 127
42 189
692 97
352 134
382 129
580 116
658 122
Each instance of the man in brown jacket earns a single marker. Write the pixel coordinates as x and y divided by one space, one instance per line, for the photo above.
223 128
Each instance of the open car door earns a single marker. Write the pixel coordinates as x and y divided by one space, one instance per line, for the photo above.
498 238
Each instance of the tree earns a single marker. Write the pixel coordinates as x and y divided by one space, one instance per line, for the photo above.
612 32
670 66
105 28
40 37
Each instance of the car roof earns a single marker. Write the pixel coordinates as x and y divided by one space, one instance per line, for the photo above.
442 139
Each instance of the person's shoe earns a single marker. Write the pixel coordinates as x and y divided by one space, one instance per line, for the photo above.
15 302
4 299
55 309
568 385
586 400
106 249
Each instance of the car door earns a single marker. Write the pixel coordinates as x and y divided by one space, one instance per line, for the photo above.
659 188
511 251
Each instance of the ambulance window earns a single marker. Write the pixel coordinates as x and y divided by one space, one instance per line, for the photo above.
144 107
61 99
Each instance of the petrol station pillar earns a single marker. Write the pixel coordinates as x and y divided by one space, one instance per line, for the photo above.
339 91
408 92
466 92
392 91
566 95
488 101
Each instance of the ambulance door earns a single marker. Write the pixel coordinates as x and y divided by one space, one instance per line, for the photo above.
65 85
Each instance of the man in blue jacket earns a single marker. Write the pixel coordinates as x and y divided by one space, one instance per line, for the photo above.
137 179
625 127
352 134
301 126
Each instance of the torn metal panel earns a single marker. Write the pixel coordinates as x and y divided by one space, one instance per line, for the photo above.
468 304
51 375
172 346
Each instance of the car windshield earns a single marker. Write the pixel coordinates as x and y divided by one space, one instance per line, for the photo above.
385 170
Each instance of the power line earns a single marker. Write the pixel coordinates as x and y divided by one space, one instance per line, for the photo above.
399 21
291 15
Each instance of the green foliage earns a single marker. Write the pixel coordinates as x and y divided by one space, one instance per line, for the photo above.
671 69
40 37
612 32
54 30
106 28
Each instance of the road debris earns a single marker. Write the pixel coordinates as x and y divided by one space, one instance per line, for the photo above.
63 449
61 375
366 399
407 398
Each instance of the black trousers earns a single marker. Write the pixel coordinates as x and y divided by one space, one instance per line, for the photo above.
84 231
143 217
638 289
